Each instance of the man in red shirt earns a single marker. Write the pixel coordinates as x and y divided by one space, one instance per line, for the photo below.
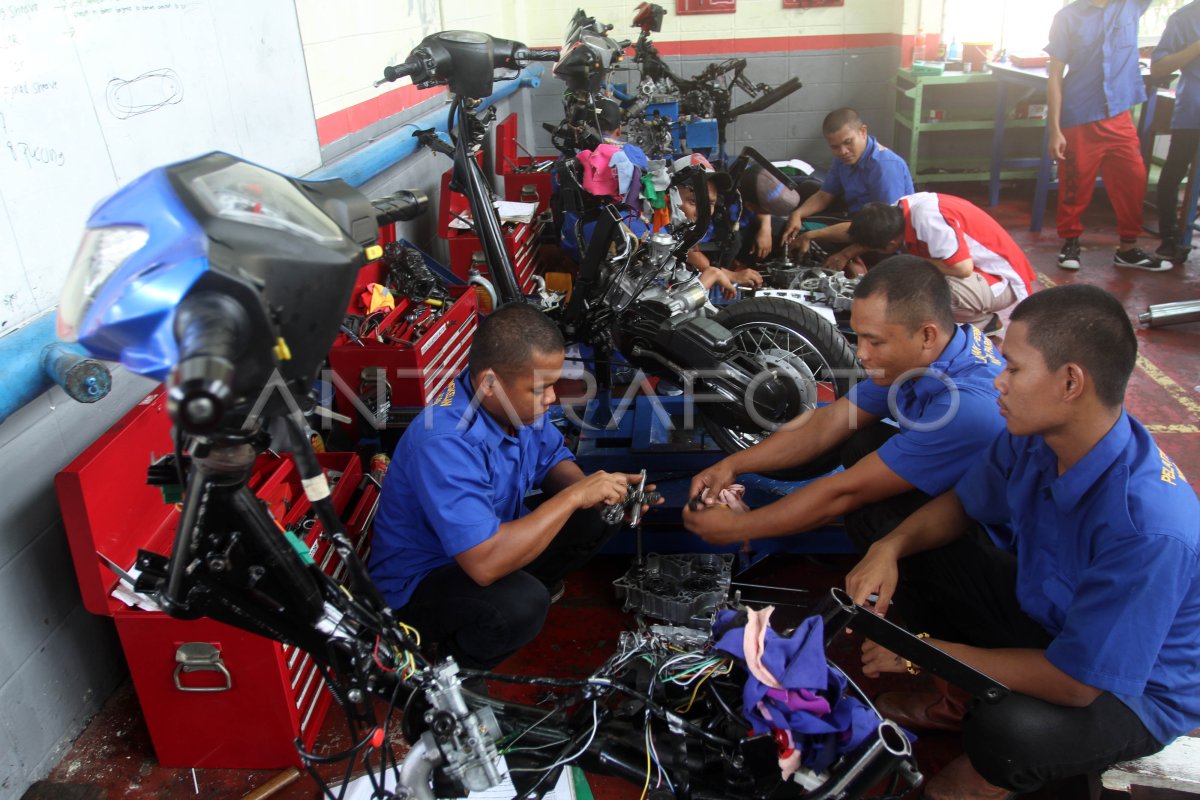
986 269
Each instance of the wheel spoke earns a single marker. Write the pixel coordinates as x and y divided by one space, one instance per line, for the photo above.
791 352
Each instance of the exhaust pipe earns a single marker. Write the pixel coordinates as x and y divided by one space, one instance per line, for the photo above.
1163 314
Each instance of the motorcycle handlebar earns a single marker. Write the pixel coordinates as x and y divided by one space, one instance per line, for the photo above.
395 72
209 330
400 206
464 60
546 54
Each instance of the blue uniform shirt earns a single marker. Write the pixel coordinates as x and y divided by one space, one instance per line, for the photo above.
879 176
1106 563
1099 47
455 477
947 417
1183 28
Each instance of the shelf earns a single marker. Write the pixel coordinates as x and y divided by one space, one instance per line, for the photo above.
945 79
967 168
970 102
966 125
977 175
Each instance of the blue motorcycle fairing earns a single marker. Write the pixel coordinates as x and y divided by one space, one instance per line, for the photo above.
132 316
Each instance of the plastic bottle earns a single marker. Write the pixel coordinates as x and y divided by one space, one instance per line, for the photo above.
954 52
919 45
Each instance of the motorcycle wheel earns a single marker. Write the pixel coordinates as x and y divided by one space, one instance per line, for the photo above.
791 341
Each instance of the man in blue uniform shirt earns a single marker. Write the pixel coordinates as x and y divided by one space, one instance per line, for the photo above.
1179 49
1093 82
455 551
863 171
1084 596
933 378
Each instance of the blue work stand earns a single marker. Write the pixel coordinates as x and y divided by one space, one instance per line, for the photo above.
629 434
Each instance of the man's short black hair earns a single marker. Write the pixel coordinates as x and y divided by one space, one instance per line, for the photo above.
915 290
1085 325
508 338
839 118
608 115
876 225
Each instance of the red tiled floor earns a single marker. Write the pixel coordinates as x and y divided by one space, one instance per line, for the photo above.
113 757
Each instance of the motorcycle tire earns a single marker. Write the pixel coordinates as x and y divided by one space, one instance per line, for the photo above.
793 340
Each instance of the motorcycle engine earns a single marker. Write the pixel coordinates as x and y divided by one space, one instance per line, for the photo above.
679 299
697 102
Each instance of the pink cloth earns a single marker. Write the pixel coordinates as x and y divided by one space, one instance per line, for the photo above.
789 763
599 179
754 637
729 496
789 754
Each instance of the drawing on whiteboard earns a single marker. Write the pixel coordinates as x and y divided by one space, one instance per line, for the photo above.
32 154
147 92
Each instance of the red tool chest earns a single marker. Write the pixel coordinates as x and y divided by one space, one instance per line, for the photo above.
511 166
520 239
246 710
415 371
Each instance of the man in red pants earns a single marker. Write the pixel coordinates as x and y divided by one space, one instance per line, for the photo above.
1091 128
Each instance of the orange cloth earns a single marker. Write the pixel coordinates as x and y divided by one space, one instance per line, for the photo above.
377 296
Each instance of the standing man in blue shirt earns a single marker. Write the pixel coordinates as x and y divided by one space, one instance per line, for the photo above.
932 377
1179 49
863 171
455 551
1090 126
1082 591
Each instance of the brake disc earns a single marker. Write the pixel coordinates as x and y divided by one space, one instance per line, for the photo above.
784 365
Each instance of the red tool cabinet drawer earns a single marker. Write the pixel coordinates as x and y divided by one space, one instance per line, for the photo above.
415 371
254 696
518 170
520 240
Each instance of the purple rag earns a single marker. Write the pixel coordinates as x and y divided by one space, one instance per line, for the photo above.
824 721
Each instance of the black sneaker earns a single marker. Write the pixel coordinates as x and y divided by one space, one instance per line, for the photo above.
557 591
1137 258
1170 250
1068 256
993 327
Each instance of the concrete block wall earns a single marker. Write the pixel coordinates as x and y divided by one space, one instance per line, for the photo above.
58 663
791 128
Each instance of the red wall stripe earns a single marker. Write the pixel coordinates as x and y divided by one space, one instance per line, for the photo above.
777 44
334 126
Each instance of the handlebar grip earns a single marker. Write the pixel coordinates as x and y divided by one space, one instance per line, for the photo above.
397 71
400 206
538 55
209 329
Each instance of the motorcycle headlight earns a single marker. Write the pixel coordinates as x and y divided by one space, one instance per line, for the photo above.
101 253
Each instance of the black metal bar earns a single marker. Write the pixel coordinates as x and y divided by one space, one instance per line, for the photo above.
186 535
904 644
270 546
487 224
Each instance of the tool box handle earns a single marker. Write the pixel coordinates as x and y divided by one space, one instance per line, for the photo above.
200 657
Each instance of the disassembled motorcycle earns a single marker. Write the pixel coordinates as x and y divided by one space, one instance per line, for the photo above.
757 364
707 95
589 58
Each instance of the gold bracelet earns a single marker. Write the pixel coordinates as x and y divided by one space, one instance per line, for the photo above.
910 667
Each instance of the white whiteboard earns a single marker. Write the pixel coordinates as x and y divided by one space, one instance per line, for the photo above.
95 92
